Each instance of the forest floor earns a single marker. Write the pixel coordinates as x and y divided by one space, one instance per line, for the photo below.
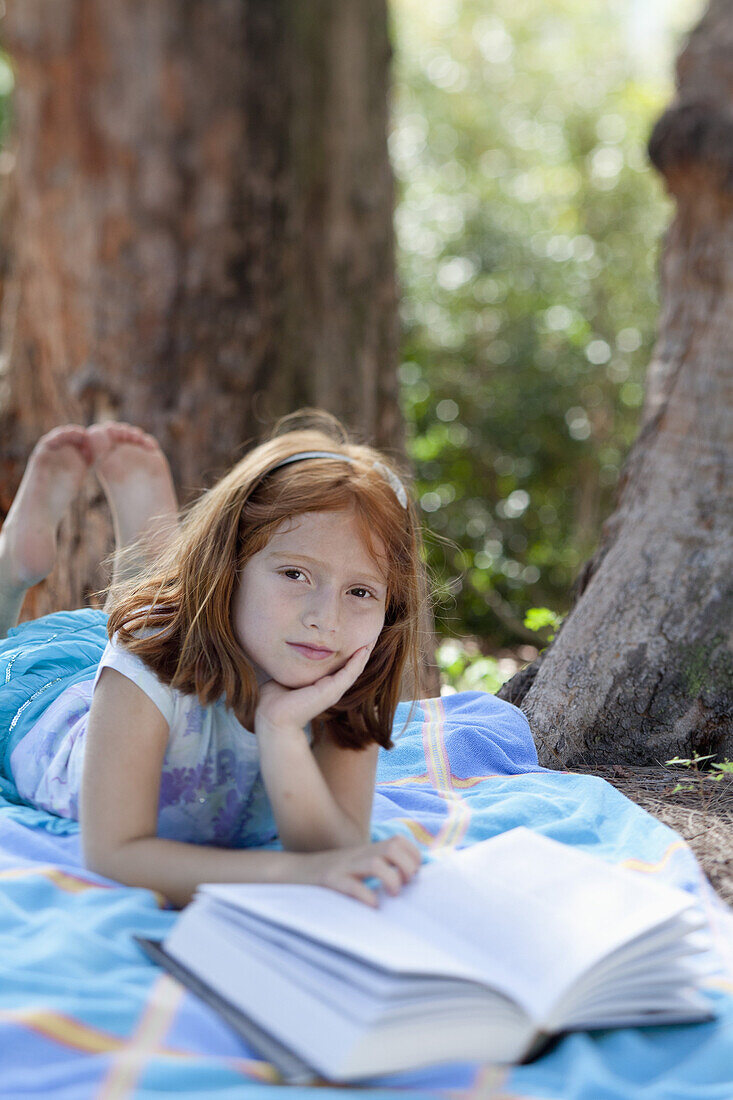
702 814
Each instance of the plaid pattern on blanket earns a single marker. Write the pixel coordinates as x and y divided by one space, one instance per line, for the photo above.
84 1014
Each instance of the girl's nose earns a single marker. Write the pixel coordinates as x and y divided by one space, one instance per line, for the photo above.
322 611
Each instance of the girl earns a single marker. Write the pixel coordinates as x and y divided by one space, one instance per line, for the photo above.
252 670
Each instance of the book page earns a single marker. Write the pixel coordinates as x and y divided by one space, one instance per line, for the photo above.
580 908
519 912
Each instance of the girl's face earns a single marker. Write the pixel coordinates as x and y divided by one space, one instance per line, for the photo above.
310 599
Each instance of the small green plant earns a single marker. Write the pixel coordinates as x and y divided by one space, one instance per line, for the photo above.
701 781
537 618
701 777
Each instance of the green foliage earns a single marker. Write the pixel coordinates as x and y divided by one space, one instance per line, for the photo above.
537 618
462 671
702 776
528 228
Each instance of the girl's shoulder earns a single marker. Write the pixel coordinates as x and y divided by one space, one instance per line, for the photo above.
131 666
184 713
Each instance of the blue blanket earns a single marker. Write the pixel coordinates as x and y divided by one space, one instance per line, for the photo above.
84 1014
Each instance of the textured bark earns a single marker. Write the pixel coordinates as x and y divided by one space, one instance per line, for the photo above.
643 667
201 237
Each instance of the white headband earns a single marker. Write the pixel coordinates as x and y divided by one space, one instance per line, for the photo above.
389 475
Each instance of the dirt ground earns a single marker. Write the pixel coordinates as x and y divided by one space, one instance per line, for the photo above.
702 815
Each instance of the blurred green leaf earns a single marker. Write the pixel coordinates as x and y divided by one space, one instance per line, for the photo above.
537 618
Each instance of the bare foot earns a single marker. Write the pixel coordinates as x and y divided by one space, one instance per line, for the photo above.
54 475
137 482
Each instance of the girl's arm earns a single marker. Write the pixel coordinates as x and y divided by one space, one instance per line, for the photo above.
125 745
321 797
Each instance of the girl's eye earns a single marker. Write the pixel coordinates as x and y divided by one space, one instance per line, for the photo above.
288 572
360 593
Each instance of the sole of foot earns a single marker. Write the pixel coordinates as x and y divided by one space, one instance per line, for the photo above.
54 476
137 482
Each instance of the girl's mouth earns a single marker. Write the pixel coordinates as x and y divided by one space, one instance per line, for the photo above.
315 653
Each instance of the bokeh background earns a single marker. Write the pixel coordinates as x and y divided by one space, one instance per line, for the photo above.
528 227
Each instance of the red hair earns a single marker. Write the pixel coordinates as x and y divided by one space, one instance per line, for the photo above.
178 616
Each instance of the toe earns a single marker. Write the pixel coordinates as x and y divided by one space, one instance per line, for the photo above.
99 439
127 433
68 435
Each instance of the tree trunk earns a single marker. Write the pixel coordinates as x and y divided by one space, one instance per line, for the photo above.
642 669
201 234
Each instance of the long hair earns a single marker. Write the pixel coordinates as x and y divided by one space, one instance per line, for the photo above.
177 616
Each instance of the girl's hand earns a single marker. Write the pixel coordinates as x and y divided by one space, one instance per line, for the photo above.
292 708
393 862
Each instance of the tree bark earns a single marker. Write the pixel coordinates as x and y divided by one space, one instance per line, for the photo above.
201 234
642 669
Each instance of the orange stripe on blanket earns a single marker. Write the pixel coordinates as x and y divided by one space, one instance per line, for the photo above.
410 780
474 780
489 1084
456 825
163 1002
436 756
259 1071
72 1033
72 884
441 777
130 1061
64 880
420 833
425 781
643 865
63 1030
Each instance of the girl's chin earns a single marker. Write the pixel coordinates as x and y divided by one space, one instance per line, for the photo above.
290 680
298 681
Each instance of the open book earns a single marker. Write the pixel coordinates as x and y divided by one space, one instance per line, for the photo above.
486 953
